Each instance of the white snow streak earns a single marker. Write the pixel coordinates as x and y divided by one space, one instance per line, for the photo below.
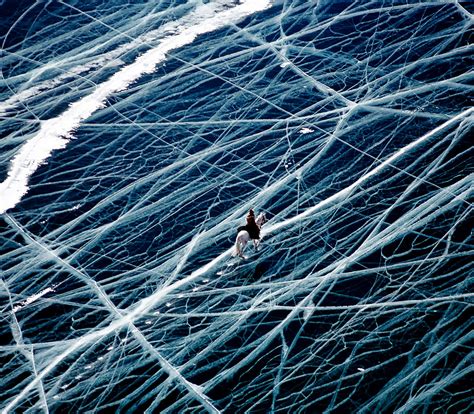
55 133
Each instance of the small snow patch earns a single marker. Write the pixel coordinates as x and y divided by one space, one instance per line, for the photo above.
32 299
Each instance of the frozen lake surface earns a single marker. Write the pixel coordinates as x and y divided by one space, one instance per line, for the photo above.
134 138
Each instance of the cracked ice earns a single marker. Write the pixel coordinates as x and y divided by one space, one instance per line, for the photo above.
135 137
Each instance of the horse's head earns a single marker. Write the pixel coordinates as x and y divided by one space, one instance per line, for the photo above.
261 219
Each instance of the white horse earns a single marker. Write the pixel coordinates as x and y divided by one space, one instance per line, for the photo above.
243 237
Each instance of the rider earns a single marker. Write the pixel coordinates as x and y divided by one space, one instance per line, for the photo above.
252 227
253 231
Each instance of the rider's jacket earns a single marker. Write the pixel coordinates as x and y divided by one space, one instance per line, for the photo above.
252 227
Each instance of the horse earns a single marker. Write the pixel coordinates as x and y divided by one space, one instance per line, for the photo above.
243 237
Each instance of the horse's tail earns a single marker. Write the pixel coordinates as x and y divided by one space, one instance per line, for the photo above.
236 251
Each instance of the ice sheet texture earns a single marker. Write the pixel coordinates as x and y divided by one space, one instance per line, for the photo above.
135 136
